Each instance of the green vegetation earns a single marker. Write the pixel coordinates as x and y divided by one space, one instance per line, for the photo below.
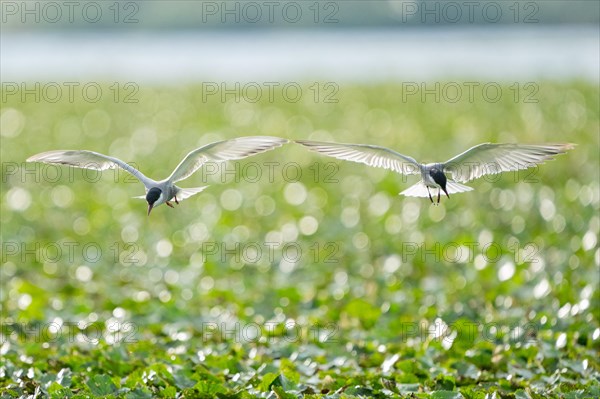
492 294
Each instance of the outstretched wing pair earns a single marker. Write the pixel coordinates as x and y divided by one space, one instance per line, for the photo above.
480 160
477 161
219 151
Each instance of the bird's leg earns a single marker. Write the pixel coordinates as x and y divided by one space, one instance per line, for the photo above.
439 192
168 203
177 202
428 192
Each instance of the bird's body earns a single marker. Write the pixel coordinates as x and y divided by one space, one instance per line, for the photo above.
426 176
160 192
164 191
480 160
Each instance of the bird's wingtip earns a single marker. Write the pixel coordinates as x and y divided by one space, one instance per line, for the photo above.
41 157
275 141
563 147
306 143
38 156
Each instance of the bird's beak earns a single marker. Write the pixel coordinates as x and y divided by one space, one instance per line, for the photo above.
150 206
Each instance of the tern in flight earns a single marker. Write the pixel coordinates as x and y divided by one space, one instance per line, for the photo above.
163 191
483 159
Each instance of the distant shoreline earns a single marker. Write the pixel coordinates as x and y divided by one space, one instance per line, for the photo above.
364 55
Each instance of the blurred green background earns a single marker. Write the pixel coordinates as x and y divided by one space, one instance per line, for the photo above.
370 260
495 290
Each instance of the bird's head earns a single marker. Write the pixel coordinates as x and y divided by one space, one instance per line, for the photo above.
440 178
152 196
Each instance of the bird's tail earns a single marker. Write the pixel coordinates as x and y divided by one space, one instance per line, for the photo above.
416 190
454 187
184 193
420 190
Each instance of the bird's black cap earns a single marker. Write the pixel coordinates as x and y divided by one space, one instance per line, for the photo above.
153 194
440 178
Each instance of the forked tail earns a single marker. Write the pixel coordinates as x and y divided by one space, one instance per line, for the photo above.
183 193
420 190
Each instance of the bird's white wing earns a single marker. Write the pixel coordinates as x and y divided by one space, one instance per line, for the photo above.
220 151
372 155
88 160
489 158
